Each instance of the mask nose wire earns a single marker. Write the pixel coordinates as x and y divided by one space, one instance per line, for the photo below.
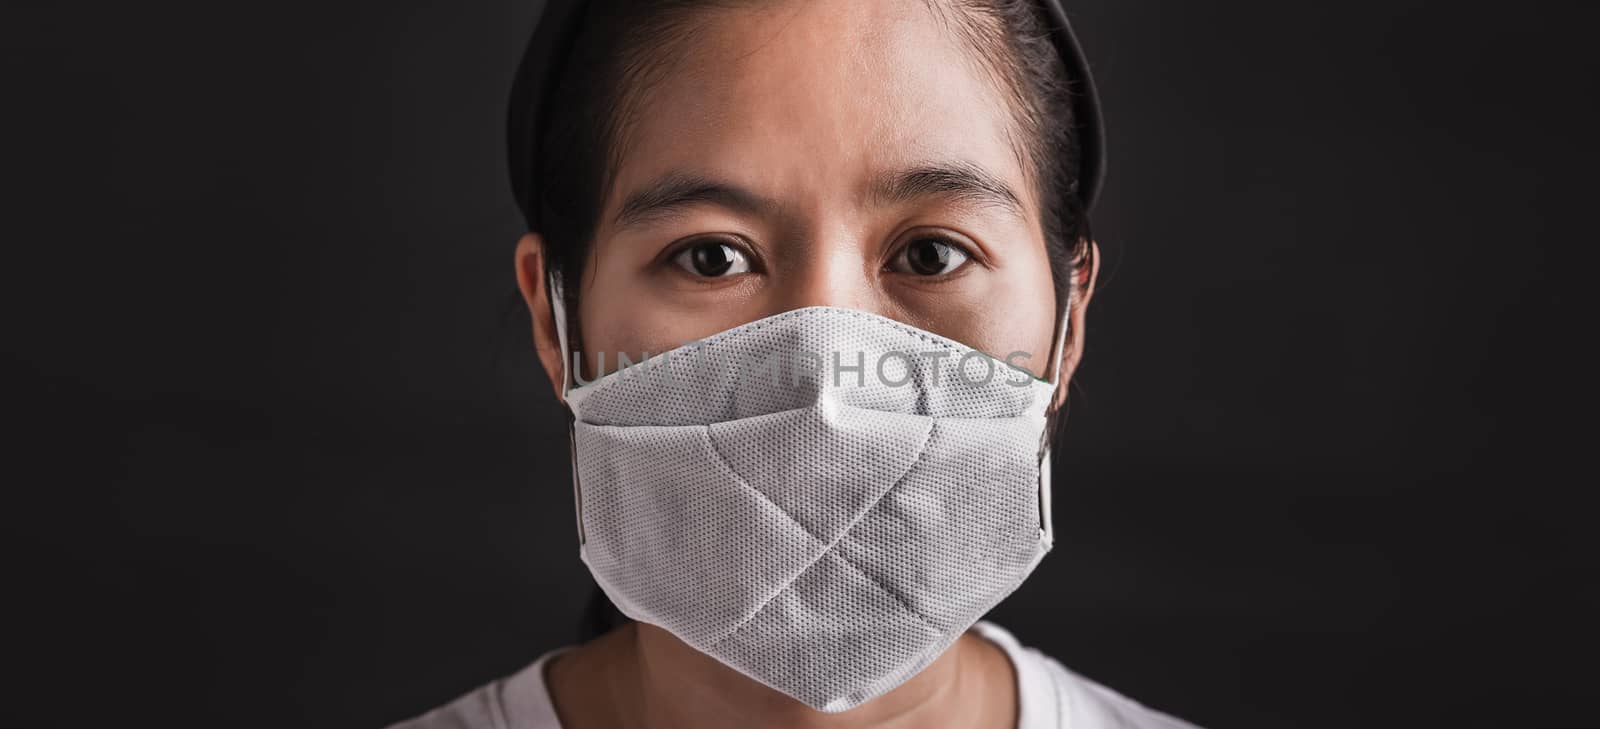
558 310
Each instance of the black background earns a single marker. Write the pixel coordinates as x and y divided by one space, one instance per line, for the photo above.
279 457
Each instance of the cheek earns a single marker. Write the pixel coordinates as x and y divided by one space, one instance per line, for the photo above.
622 311
613 325
1014 311
1031 329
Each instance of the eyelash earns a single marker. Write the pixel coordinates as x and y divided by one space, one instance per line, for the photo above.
973 253
670 255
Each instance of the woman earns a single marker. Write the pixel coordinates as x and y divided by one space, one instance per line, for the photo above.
892 193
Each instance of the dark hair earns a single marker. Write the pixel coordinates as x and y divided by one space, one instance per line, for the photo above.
623 47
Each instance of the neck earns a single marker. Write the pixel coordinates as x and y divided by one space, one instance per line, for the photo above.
663 682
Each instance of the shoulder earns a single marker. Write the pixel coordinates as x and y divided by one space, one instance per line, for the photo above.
1054 697
518 701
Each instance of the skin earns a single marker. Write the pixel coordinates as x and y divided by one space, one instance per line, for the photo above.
800 125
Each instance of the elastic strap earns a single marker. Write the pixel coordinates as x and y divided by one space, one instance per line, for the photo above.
558 309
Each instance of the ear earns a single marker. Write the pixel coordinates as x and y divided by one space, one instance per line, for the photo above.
531 281
1072 349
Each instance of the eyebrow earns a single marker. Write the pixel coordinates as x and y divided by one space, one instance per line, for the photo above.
679 190
961 181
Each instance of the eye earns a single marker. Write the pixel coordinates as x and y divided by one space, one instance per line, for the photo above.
712 259
929 256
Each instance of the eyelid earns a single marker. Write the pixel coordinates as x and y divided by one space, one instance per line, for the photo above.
975 251
672 250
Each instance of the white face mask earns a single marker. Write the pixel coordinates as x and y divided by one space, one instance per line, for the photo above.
823 528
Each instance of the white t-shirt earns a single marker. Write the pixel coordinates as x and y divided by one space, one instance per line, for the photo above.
1049 697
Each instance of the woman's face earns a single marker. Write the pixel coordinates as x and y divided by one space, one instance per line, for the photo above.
831 152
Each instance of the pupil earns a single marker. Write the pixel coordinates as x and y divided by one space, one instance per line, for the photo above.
712 259
928 257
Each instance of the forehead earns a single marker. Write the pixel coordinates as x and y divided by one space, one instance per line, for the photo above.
812 98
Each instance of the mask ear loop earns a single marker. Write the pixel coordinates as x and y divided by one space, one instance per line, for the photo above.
1058 347
558 310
